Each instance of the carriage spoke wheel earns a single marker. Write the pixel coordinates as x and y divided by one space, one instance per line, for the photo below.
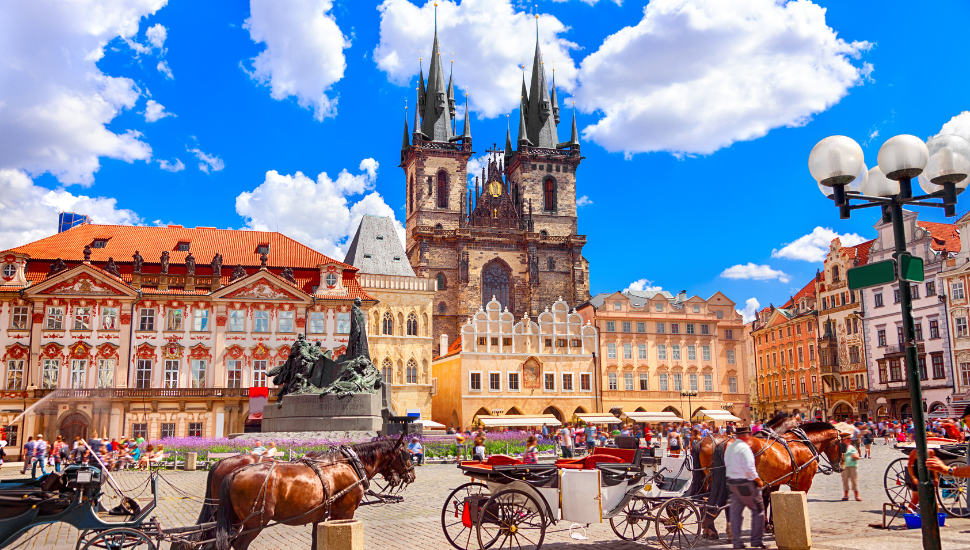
633 520
511 519
122 538
895 483
678 524
459 528
952 495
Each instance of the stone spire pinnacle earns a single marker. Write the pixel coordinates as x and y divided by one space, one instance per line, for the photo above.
523 130
436 119
451 89
407 143
508 140
574 139
555 100
417 116
466 134
540 121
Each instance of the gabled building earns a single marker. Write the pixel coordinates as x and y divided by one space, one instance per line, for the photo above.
655 345
515 238
885 352
787 367
955 283
138 337
841 345
399 332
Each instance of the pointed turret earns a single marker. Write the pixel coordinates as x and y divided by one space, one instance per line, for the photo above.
540 120
407 143
418 135
523 130
573 143
466 134
451 90
436 119
508 144
421 94
555 100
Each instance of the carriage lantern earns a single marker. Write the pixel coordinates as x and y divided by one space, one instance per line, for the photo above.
941 166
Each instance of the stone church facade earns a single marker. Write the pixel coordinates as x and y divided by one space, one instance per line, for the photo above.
514 236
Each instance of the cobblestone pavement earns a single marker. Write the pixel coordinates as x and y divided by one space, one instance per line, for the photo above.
416 523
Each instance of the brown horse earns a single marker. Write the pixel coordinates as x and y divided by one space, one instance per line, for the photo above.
293 493
777 465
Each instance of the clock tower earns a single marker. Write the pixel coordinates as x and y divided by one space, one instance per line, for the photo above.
509 232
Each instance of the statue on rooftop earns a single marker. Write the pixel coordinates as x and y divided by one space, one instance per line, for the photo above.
138 261
112 268
57 267
237 273
87 253
190 264
164 261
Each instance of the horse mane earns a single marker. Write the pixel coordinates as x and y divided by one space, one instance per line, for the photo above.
817 427
368 452
781 423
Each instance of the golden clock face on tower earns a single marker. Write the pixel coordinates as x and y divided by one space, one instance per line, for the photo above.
494 188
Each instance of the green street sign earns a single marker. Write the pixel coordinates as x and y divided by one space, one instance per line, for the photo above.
874 274
911 268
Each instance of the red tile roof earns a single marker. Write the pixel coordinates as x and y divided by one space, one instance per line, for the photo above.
453 349
945 235
807 290
860 251
236 246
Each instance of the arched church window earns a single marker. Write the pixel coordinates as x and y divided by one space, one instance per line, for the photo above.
552 264
412 324
387 371
497 282
442 190
549 195
442 283
412 372
387 326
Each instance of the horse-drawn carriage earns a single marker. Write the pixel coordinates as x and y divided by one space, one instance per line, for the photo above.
513 503
951 492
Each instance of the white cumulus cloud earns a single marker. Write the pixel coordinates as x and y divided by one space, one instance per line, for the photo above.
165 70
304 53
584 201
751 307
694 76
28 212
176 166
642 285
55 102
490 40
155 111
756 272
209 162
321 214
815 246
156 35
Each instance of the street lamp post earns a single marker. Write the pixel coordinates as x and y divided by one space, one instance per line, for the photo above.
688 394
942 166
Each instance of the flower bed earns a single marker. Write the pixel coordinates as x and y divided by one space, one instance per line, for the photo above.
435 446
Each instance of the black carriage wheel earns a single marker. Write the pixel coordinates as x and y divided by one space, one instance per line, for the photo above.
678 524
121 538
633 520
82 538
895 483
952 495
513 519
460 535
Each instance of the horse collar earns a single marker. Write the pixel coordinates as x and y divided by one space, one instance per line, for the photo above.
356 464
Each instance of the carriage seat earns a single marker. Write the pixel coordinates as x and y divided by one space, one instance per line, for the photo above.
609 455
494 460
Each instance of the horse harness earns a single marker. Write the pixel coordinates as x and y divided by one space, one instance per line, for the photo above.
802 438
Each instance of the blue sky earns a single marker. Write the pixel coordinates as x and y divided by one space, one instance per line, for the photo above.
697 117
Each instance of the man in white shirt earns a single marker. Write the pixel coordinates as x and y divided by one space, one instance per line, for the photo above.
745 487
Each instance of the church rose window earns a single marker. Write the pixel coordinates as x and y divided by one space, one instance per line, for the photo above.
442 190
496 282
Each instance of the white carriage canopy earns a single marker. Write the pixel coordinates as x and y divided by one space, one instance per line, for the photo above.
520 420
429 424
598 418
653 417
719 415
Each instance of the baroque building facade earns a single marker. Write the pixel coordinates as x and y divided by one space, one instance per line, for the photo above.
97 338
885 353
515 237
841 344
654 345
399 330
506 365
955 278
786 354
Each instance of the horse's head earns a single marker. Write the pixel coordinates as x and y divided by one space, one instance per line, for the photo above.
827 441
399 470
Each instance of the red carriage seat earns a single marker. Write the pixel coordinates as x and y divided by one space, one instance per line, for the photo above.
588 462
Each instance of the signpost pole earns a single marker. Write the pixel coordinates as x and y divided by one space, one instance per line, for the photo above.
927 496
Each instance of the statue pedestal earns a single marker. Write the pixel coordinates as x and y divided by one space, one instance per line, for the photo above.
359 412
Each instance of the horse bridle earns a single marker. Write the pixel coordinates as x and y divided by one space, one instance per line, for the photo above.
832 468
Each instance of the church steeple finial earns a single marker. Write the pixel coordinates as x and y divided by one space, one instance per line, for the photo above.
436 111
540 119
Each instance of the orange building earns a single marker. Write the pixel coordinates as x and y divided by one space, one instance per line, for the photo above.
786 359
142 338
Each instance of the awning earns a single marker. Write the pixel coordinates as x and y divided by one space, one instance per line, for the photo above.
720 415
508 420
598 418
427 423
653 417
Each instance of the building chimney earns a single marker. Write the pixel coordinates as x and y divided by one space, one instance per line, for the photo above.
444 344
682 296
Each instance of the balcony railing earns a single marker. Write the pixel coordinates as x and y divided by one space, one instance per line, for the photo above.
103 393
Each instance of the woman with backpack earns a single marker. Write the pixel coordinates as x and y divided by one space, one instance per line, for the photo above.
59 453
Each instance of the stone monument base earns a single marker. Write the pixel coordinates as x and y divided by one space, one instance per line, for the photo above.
266 437
359 412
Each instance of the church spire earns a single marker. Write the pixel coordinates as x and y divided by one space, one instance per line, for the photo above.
407 143
508 140
523 130
574 139
417 117
555 100
540 120
466 135
436 119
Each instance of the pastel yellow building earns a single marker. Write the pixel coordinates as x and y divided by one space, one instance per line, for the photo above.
504 365
399 330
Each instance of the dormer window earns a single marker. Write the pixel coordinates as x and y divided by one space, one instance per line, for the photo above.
9 270
99 243
182 247
331 279
262 249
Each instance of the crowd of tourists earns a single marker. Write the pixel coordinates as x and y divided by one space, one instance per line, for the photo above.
112 454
